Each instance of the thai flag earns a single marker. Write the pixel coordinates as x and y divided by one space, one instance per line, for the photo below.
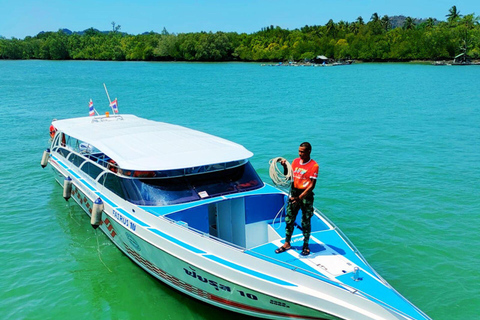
114 105
91 108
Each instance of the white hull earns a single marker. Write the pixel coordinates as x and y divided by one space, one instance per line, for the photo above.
208 226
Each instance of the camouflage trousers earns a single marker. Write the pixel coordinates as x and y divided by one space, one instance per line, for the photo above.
306 205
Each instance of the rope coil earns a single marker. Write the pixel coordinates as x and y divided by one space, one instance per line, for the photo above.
276 174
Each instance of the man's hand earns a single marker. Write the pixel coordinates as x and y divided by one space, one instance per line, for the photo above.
284 164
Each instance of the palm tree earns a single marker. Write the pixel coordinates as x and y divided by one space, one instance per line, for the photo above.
360 21
330 27
430 23
342 25
408 24
354 27
453 14
386 23
374 17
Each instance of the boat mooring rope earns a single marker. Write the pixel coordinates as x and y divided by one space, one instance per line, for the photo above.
281 180
279 217
276 174
99 253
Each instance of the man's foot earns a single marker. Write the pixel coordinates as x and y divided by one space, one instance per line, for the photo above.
282 249
305 251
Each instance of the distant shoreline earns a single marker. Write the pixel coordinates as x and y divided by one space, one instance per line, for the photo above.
266 63
374 41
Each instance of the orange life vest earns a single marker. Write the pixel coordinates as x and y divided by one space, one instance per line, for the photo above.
112 165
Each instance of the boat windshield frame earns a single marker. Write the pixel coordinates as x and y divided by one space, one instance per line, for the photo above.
176 173
173 188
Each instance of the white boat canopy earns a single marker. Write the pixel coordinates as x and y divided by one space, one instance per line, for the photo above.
139 144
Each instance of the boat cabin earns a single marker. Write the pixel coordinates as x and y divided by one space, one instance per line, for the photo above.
158 187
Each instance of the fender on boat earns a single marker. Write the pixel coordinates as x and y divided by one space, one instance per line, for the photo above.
45 157
67 188
96 213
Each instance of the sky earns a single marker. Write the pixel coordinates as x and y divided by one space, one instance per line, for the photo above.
21 18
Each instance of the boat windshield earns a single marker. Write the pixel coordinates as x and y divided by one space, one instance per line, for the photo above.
175 190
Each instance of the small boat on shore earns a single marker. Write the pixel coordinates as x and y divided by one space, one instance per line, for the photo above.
189 209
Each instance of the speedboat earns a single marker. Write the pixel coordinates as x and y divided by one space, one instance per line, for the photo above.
190 209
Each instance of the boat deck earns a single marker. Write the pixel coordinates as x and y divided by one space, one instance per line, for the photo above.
330 256
331 259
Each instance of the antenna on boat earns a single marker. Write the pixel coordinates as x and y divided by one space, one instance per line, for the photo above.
106 91
112 105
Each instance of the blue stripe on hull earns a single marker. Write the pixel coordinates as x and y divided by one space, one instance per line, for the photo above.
105 199
176 241
71 171
248 271
88 185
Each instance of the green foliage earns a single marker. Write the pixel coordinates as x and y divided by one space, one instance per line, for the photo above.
374 40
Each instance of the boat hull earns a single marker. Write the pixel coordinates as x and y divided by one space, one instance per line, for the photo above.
279 293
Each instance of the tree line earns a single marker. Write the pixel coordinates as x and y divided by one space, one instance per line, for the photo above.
374 40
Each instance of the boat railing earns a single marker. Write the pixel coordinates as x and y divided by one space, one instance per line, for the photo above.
330 281
294 268
107 118
336 283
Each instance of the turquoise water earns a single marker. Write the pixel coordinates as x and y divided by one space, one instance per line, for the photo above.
399 153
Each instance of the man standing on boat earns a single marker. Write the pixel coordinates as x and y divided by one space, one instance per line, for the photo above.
305 173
